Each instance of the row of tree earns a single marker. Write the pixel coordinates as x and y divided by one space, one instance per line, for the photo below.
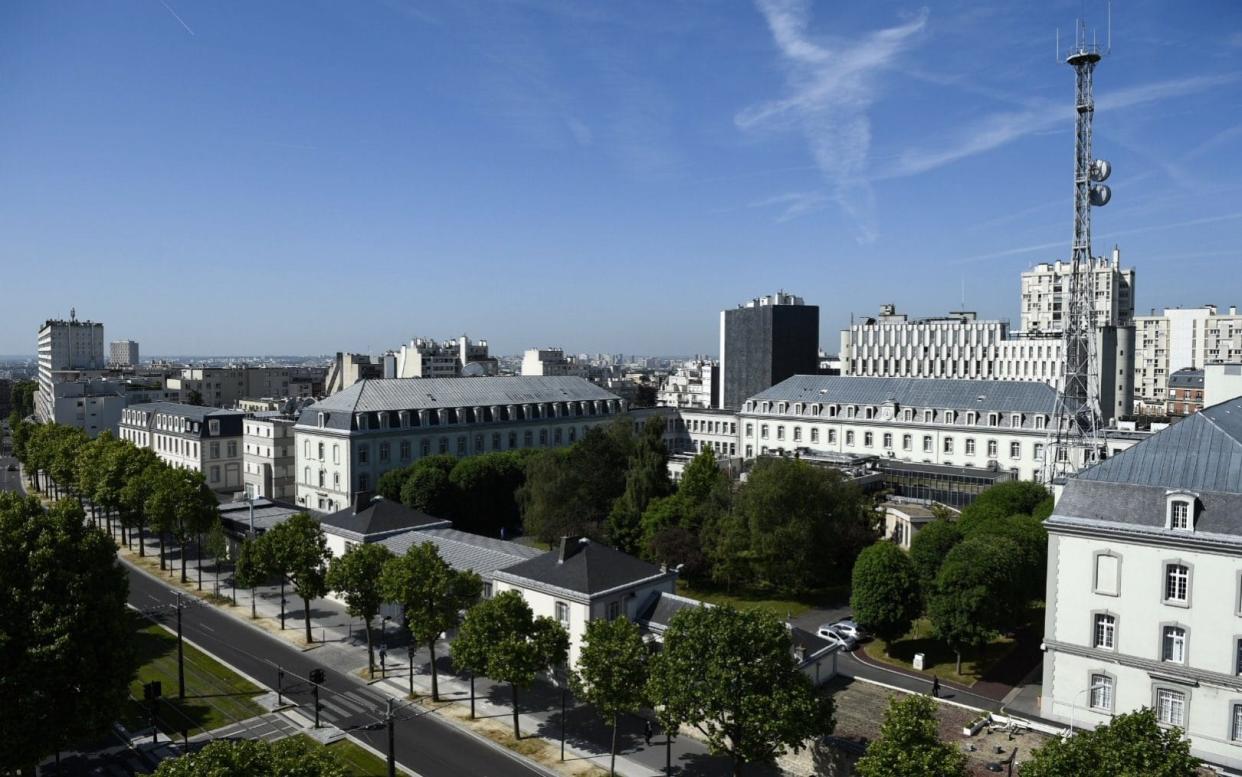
1133 743
972 577
478 493
22 395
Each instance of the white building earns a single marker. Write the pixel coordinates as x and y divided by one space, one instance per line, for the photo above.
1144 574
550 362
123 353
1181 338
693 384
268 461
426 358
90 404
66 345
990 424
583 581
1221 383
190 437
226 386
345 442
1045 290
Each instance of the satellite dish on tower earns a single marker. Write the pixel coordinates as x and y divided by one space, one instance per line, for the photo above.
1100 195
1100 170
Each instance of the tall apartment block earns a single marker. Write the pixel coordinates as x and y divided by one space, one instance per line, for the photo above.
123 353
1045 292
1178 339
66 345
763 342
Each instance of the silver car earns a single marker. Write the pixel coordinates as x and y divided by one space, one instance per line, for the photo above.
850 628
832 635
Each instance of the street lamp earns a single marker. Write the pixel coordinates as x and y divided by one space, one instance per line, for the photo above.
1074 704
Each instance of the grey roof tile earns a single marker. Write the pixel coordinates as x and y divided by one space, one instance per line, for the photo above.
983 395
381 516
462 550
589 568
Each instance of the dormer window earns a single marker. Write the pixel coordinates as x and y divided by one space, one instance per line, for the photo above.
1180 511
321 420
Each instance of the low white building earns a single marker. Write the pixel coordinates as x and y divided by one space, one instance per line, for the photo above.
583 581
268 461
204 439
90 404
345 442
1144 597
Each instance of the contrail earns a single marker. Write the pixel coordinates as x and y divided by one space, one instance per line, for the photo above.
178 18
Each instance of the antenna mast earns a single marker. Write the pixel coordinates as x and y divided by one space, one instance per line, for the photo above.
1076 439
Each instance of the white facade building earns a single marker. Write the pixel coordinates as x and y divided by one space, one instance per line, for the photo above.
268 461
190 437
90 404
694 384
345 442
954 346
426 358
1221 383
66 345
1145 587
549 362
1045 294
1177 339
123 353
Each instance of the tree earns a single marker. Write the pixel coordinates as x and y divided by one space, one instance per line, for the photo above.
181 504
66 651
645 479
20 432
88 467
297 551
884 591
611 674
804 525
1012 497
501 638
431 593
909 744
731 674
548 498
218 546
23 394
194 397
486 489
428 488
1132 744
930 546
1029 535
357 577
289 757
390 483
251 569
977 593
139 470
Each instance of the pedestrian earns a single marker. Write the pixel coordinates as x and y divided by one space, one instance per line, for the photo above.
647 732
935 686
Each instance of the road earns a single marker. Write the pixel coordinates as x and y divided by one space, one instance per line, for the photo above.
424 743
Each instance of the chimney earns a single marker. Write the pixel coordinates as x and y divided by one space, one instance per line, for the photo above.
569 546
362 500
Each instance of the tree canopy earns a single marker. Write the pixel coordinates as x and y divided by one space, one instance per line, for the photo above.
1012 497
731 675
357 577
977 593
297 551
930 546
611 673
909 744
884 592
66 652
289 757
1132 744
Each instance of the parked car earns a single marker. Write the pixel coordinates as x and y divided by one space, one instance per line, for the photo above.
827 632
850 628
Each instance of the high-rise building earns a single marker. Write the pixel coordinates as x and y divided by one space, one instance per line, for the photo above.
765 341
123 353
66 345
1178 339
1045 295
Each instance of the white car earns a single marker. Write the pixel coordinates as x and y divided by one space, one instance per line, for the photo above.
849 628
832 635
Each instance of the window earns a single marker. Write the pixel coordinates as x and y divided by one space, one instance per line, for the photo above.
1101 693
1179 514
907 442
970 446
832 436
528 438
306 475
1105 631
948 445
1015 450
543 436
614 610
1176 583
487 590
213 427
991 449
444 444
405 450
336 480
383 451
215 450
750 430
763 431
215 474
321 451
364 482
1038 452
927 443
849 437
1235 724
814 434
868 439
562 614
364 454
1173 644
797 434
461 443
780 432
336 454
1107 574
1171 707
426 448
888 440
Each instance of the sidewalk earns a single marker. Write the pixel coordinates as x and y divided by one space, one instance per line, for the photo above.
340 643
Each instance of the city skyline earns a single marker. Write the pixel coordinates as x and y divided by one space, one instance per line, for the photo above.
534 176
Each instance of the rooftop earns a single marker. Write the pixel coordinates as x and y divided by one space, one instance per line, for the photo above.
195 412
462 550
381 516
583 567
983 395
1186 378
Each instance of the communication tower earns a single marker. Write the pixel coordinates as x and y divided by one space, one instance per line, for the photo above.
1078 429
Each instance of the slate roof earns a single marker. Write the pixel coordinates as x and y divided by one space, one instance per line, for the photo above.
1201 454
660 608
195 412
267 513
983 395
812 644
589 568
375 394
381 516
462 550
1186 378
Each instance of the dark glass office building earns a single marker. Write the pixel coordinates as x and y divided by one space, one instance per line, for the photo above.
765 341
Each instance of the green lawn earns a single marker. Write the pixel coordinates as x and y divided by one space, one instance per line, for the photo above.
780 606
214 695
359 762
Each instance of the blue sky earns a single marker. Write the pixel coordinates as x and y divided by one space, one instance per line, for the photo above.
210 177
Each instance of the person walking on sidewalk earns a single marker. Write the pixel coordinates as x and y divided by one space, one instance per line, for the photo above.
935 686
647 732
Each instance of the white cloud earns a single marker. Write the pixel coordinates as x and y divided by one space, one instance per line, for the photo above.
830 89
